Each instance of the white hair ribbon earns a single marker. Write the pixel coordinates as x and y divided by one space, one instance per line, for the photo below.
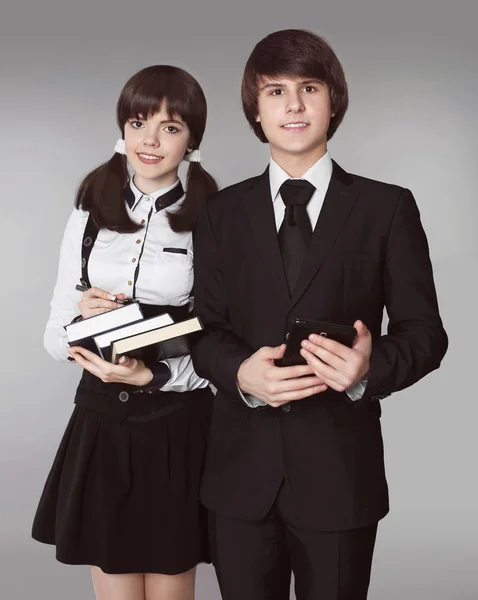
120 147
194 156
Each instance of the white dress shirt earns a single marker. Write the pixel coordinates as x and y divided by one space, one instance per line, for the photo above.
319 175
163 278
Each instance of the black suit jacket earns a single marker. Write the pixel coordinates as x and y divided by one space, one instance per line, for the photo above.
368 251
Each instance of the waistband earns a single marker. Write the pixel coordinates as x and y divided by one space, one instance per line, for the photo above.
124 402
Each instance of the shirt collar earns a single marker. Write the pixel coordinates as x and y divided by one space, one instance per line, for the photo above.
134 195
318 175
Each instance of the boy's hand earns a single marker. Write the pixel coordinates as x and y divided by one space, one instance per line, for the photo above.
337 365
259 377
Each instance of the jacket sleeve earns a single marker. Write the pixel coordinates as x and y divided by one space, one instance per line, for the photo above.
218 353
416 341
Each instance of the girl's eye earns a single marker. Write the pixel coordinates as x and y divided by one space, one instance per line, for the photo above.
172 129
136 124
276 92
309 88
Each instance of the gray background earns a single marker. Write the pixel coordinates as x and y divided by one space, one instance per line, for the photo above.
411 68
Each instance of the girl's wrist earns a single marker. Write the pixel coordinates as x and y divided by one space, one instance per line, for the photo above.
145 376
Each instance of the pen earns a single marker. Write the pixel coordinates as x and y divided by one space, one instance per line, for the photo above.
83 288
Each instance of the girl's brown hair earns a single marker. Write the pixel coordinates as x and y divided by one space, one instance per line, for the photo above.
102 191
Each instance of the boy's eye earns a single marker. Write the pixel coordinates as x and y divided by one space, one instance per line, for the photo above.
172 129
309 88
136 124
276 92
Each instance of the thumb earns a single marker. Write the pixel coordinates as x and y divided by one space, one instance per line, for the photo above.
268 353
362 332
124 361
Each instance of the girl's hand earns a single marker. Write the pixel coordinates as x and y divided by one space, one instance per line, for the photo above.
95 301
129 370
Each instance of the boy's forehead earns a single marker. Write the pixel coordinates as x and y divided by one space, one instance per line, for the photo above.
285 78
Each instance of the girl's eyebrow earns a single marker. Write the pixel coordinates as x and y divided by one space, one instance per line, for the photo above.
171 121
141 118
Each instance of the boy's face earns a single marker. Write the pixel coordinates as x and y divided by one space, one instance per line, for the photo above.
294 113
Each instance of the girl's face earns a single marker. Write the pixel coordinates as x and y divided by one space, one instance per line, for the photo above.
155 147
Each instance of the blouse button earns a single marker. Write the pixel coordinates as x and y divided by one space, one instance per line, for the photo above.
133 260
138 241
123 396
130 283
143 221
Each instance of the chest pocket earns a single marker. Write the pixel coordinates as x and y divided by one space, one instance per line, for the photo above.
176 250
176 268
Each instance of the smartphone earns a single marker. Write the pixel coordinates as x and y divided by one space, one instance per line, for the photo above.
302 328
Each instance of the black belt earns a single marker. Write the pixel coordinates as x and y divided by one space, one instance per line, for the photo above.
124 402
127 405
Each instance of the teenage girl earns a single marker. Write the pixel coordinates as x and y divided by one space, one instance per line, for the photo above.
122 495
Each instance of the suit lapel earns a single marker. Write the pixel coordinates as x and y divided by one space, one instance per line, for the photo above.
338 203
258 205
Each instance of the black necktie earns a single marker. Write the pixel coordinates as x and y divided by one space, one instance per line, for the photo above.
295 231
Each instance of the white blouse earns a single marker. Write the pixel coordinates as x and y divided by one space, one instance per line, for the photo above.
162 277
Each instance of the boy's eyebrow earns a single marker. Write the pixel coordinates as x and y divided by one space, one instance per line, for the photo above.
271 85
309 81
278 84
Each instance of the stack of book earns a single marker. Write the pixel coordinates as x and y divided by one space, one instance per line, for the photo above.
124 331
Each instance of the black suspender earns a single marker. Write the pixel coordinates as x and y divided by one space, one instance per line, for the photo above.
89 239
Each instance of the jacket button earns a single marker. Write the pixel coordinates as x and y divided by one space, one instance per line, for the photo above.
123 396
286 407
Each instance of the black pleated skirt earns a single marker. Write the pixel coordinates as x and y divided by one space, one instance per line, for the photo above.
123 491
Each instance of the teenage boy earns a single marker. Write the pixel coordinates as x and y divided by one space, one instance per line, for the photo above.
295 475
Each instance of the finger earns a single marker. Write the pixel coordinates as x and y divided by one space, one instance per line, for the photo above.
98 303
300 394
336 348
85 364
281 373
128 362
96 292
271 353
360 327
93 358
334 385
326 372
300 383
95 311
363 338
272 390
325 355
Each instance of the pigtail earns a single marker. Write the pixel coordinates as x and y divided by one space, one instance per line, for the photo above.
102 194
199 185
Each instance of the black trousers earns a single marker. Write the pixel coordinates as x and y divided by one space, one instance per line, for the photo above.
254 559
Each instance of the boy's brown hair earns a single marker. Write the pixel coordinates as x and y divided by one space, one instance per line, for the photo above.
294 53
